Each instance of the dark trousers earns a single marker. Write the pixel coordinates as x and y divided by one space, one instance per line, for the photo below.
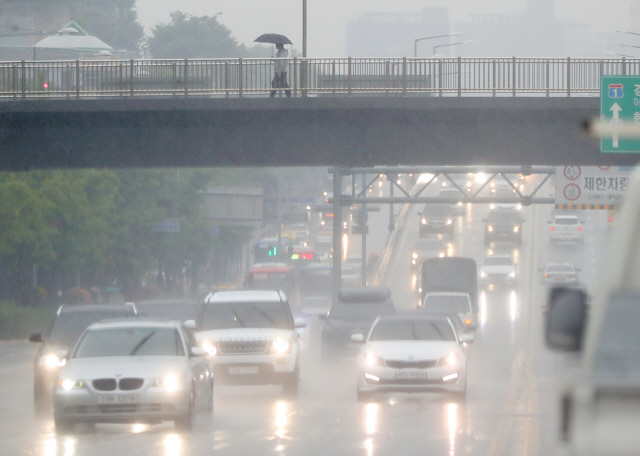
280 82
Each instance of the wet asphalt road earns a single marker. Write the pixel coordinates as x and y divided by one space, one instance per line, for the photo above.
511 401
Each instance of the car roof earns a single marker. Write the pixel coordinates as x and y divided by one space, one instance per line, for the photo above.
245 296
71 308
414 315
165 302
135 323
565 216
499 255
447 293
551 265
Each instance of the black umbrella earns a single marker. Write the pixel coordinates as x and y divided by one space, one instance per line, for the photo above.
273 38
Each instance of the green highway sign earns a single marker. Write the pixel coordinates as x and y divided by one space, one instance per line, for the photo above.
620 103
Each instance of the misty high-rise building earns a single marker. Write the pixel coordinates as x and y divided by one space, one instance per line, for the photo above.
393 34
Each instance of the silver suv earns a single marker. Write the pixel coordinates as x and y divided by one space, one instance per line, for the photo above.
251 337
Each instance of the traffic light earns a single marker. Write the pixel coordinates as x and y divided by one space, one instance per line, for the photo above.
273 251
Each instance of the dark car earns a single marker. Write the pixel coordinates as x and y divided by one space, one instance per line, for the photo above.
436 218
352 312
170 309
68 325
503 225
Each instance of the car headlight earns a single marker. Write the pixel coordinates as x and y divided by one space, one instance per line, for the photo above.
371 360
441 255
169 382
414 255
519 206
280 346
516 229
449 221
51 361
450 360
68 384
512 275
210 347
483 274
492 206
489 228
424 221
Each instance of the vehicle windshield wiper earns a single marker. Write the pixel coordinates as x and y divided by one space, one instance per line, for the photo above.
438 331
142 342
264 314
236 315
413 332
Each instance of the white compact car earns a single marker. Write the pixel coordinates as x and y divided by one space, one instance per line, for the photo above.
251 337
133 371
412 352
498 270
566 228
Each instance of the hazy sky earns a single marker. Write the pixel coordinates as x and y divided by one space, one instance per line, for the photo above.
327 19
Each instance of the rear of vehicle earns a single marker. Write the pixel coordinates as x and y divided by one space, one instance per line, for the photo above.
436 218
453 302
566 228
270 276
324 250
454 274
454 194
169 310
559 274
66 328
502 199
353 312
251 337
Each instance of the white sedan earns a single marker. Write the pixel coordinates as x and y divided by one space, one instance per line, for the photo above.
412 352
133 371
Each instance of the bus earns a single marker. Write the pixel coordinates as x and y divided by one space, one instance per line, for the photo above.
270 276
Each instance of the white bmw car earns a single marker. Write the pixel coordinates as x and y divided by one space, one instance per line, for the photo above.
133 371
412 352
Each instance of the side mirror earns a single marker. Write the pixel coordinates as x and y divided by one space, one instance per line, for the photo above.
62 355
299 322
566 319
36 337
357 337
467 338
198 351
323 316
190 324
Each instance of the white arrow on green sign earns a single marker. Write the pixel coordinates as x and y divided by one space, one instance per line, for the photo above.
620 103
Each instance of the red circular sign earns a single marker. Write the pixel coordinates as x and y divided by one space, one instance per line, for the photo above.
604 168
571 192
572 172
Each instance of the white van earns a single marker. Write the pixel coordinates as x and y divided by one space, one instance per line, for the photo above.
251 337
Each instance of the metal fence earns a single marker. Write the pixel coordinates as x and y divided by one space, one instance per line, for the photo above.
87 79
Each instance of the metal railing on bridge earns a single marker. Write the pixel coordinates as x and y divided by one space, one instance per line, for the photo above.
351 77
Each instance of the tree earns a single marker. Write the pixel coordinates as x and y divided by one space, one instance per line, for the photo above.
189 36
113 21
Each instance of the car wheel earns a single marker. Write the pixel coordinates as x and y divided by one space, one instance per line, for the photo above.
290 383
185 422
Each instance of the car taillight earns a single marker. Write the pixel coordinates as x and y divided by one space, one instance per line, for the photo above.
546 275
553 228
611 219
580 228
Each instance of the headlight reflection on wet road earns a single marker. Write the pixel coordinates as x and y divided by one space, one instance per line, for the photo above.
452 426
172 445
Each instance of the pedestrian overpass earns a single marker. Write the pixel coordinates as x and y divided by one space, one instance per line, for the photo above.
344 112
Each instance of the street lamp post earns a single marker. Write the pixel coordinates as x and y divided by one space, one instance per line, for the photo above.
452 44
304 29
415 42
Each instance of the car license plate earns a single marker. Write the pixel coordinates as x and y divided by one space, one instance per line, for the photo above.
118 399
411 375
243 370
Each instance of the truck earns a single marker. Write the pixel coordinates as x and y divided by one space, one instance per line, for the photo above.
600 400
455 274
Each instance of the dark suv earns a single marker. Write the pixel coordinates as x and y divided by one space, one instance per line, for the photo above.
503 225
436 218
69 323
352 312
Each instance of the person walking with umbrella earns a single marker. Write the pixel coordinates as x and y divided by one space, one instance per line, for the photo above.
282 67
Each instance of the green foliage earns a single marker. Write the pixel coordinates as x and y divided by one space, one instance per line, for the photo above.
113 21
189 36
17 322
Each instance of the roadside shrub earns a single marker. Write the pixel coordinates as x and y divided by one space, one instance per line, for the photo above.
17 322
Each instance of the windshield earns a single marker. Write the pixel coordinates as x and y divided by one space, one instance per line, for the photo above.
436 210
497 261
171 311
503 217
454 303
359 311
274 315
565 221
437 330
147 341
68 326
560 269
